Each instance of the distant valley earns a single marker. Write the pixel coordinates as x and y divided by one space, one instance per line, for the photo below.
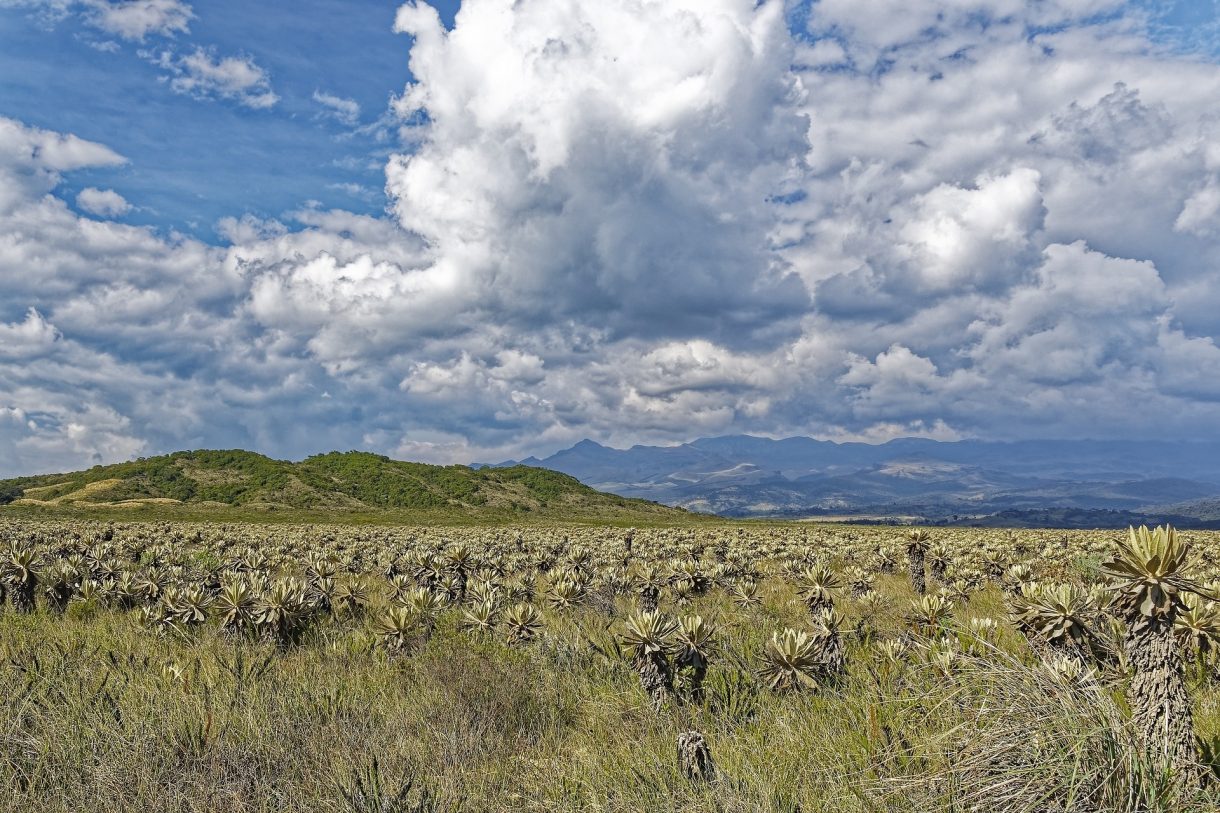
1036 483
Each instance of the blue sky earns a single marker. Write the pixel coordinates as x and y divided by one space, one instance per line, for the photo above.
295 227
193 162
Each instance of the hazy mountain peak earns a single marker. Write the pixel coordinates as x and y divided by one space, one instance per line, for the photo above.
745 475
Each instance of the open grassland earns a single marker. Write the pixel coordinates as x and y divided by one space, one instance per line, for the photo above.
208 667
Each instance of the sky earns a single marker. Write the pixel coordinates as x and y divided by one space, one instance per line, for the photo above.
457 234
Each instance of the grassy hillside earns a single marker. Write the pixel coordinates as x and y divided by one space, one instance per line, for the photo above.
350 482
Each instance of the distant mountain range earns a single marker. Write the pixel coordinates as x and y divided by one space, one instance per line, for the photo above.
1064 483
1034 483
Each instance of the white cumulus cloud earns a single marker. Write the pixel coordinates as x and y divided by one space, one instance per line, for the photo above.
32 160
128 19
205 75
136 19
612 163
102 202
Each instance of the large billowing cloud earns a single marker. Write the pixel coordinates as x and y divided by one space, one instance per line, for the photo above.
647 220
609 163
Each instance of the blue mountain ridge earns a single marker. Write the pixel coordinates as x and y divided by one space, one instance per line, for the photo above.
929 480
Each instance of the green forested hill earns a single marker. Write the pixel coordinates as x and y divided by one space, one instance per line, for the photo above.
351 481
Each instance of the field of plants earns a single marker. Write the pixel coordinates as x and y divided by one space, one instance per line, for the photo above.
244 667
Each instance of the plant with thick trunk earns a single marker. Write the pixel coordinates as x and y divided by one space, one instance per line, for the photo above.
860 581
917 548
885 561
830 642
695 758
694 640
938 561
22 576
1054 619
427 570
59 582
648 640
460 561
649 582
1149 572
689 575
818 584
320 593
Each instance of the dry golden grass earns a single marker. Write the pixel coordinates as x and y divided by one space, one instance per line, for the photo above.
102 713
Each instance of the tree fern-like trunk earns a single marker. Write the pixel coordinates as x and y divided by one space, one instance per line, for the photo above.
23 596
281 635
915 566
1160 706
655 678
695 758
937 568
816 604
57 598
691 671
834 661
649 598
1075 648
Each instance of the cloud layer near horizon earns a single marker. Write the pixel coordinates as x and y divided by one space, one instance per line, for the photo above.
647 220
